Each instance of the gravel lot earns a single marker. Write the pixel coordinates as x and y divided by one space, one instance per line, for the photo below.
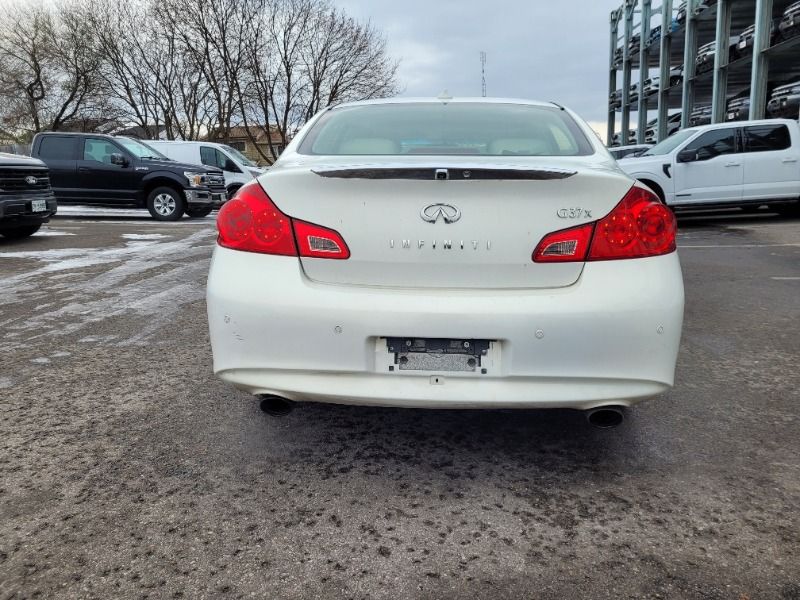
128 471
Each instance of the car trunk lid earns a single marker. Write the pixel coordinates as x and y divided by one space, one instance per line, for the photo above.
439 223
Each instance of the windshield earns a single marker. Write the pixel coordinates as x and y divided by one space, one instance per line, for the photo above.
455 128
140 149
669 144
239 156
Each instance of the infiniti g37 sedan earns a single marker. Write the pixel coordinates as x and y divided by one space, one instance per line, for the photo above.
446 253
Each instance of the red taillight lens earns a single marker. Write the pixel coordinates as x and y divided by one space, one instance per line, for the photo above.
252 223
567 245
640 225
319 242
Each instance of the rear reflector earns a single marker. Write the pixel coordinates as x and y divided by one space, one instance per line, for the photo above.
639 226
252 223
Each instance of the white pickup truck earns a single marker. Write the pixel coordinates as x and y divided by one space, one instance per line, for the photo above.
745 163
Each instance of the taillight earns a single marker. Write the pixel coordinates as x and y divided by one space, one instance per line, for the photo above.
251 222
567 245
639 226
319 242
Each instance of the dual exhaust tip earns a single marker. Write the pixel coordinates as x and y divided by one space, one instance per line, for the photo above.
603 417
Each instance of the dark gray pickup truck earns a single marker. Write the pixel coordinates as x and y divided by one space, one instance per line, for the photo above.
26 199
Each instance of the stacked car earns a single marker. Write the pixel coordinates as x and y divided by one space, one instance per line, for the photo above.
785 101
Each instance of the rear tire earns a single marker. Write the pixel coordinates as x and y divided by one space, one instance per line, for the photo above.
166 204
17 233
199 212
232 190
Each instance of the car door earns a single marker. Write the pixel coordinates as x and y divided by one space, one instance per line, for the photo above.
771 168
717 173
59 153
100 179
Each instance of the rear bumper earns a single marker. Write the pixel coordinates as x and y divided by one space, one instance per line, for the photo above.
611 338
16 211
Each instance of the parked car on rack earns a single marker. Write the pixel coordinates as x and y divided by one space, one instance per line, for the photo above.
633 150
704 61
618 57
616 140
372 265
615 99
92 168
789 25
785 101
701 115
237 168
633 92
738 108
744 45
673 125
680 17
655 32
634 43
26 200
725 164
652 84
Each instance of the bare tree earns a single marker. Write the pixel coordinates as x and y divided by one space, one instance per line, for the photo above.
306 55
48 70
190 68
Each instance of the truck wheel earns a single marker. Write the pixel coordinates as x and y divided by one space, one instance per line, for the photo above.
165 204
17 233
199 211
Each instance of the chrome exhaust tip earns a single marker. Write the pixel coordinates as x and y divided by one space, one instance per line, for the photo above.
275 406
606 417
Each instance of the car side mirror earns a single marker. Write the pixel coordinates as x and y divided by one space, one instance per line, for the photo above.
119 160
685 156
231 166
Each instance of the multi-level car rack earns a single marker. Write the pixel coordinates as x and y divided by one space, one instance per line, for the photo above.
767 59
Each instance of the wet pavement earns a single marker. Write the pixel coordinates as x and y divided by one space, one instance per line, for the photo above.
127 470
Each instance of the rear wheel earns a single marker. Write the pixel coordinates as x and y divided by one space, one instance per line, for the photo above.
232 190
199 211
166 204
17 233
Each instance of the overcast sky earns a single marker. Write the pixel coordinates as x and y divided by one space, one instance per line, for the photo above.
538 49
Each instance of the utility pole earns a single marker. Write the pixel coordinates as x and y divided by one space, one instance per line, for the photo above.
483 73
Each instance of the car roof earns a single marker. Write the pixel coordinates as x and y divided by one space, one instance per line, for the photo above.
447 100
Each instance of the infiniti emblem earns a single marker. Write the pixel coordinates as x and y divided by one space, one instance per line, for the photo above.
448 212
31 180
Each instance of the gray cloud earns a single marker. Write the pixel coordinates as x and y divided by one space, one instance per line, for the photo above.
539 49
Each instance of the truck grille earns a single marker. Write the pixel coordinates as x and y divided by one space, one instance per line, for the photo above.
215 181
24 181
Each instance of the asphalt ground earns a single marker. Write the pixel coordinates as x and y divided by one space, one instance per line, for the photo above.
127 470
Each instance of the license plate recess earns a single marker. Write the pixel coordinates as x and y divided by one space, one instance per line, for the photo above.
438 354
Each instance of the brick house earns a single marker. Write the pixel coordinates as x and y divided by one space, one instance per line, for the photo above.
239 139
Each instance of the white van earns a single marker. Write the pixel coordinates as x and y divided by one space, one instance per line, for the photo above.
238 169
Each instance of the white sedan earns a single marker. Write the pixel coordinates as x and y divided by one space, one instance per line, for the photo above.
447 253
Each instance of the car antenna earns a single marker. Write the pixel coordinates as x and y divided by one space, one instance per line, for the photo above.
444 97
557 104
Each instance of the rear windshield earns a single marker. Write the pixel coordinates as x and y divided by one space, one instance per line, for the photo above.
459 128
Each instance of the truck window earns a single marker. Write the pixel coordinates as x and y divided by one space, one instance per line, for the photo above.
57 147
212 157
714 143
99 150
766 138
